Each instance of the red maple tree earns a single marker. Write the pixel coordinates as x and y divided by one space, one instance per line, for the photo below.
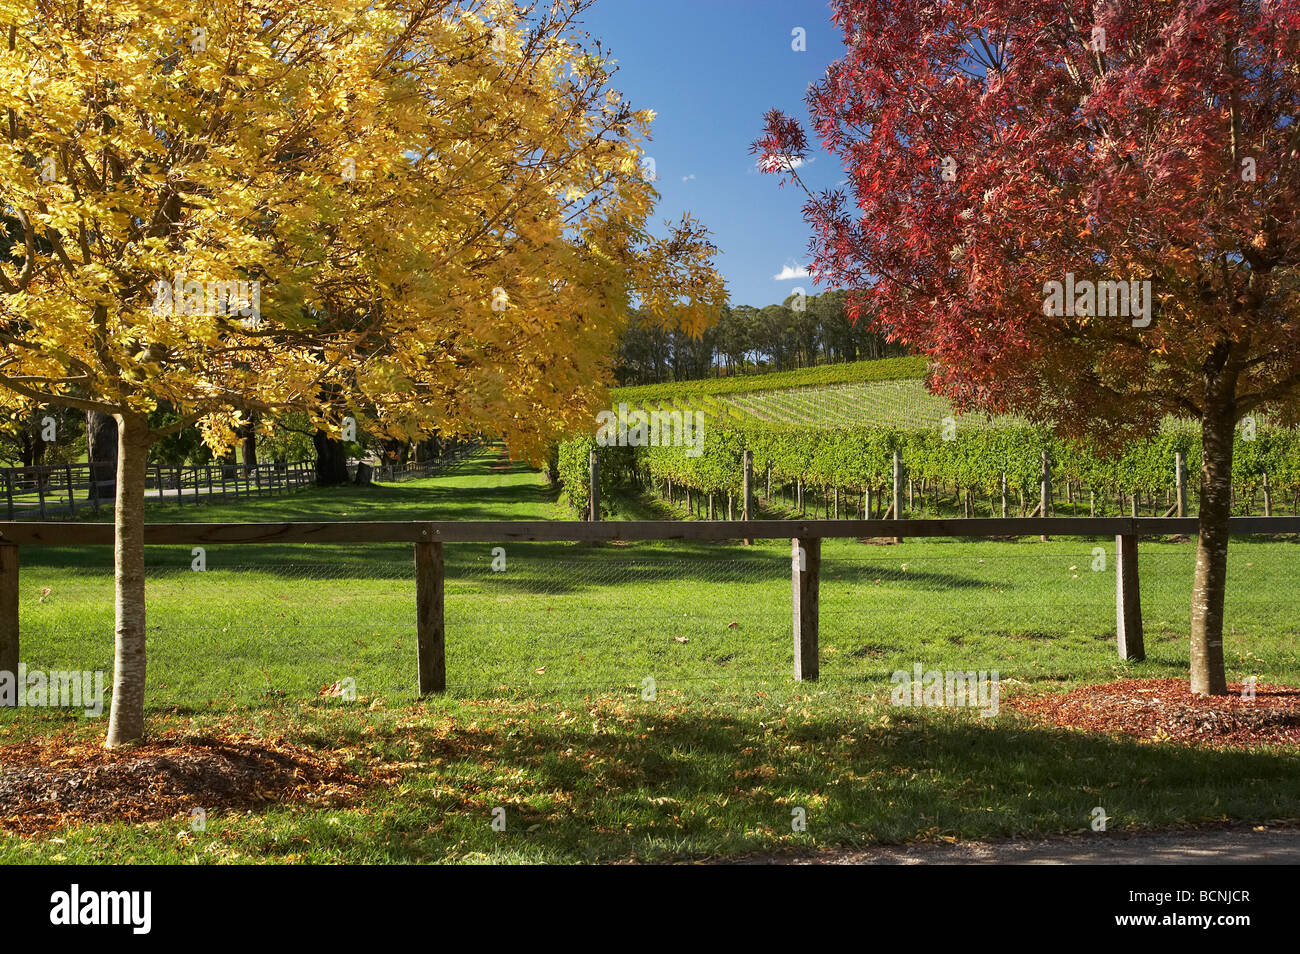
994 148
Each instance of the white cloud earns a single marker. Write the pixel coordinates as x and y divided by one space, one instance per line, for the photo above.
779 164
790 272
688 178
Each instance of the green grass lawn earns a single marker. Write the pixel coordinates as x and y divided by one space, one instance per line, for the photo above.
547 663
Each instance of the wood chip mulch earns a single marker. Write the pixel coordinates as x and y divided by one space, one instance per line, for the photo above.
51 783
1166 710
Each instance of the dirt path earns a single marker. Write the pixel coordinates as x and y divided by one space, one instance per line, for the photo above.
1235 846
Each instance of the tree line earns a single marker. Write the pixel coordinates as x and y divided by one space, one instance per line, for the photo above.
800 332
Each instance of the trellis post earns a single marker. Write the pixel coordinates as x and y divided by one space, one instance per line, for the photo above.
806 560
1045 491
747 505
1128 602
430 633
898 489
1180 481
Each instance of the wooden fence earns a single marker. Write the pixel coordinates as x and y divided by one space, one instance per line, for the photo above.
413 470
806 536
68 489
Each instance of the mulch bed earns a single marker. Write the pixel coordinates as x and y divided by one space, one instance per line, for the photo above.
1166 710
51 783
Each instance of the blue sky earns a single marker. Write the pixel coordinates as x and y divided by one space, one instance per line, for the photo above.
710 69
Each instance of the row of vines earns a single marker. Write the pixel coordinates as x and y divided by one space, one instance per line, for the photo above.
861 458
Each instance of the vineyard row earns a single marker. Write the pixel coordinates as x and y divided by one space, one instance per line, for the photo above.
972 465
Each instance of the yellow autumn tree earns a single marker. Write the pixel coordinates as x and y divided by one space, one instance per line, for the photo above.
434 210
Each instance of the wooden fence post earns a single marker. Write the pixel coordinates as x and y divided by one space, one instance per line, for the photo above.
40 489
9 611
747 480
806 561
1268 497
898 489
1128 602
9 491
1180 482
72 501
430 633
594 465
1045 491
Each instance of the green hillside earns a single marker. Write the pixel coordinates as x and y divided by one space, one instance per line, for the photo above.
854 372
888 392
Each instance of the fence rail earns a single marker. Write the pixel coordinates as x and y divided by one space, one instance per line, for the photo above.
36 492
564 531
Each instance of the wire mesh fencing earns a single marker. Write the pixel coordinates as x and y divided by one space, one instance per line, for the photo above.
533 618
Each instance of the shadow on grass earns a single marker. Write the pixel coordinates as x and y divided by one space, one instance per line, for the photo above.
692 784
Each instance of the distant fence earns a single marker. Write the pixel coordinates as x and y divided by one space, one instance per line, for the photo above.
53 491
36 493
392 473
806 536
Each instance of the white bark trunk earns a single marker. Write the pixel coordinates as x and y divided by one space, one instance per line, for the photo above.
126 717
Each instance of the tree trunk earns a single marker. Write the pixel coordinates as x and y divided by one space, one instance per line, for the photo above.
101 452
1218 421
39 446
126 717
248 438
331 460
